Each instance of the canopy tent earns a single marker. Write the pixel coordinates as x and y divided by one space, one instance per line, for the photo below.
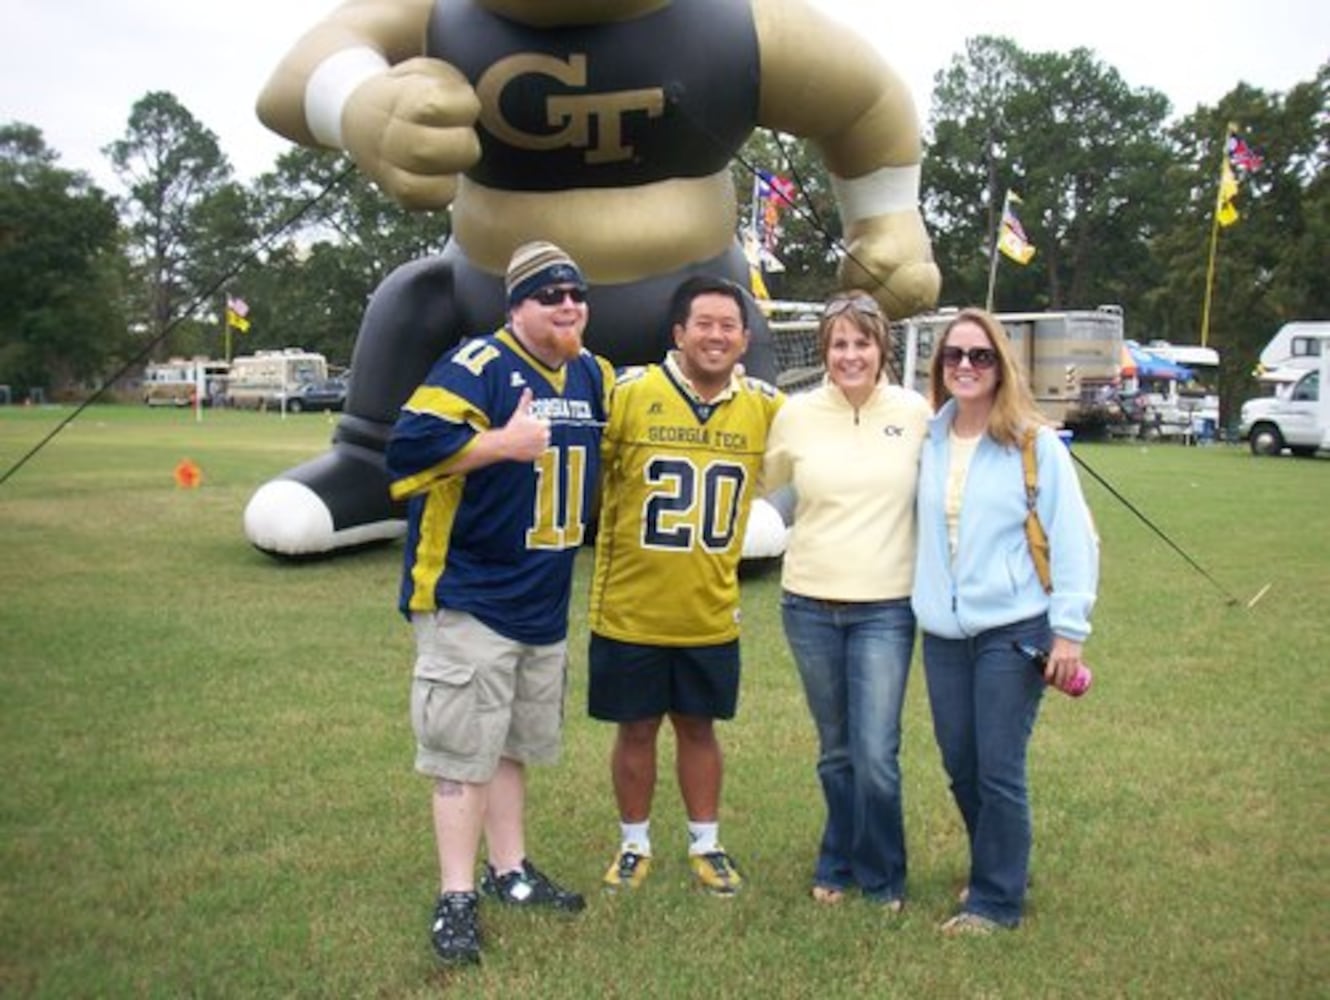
1150 365
1126 364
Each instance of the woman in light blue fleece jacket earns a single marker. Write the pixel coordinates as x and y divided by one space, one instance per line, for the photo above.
977 594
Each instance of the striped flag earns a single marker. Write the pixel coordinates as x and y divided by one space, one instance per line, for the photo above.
1012 240
1241 155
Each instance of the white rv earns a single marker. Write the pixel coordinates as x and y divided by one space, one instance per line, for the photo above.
1297 417
273 380
1293 350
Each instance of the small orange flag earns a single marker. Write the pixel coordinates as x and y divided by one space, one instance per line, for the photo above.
188 475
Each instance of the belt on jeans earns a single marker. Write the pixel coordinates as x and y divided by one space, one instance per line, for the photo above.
841 605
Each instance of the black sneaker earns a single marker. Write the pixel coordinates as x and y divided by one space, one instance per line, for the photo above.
529 887
455 930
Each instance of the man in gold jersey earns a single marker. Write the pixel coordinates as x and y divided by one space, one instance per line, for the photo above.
680 458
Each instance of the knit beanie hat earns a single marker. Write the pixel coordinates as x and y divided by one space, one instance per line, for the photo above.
535 265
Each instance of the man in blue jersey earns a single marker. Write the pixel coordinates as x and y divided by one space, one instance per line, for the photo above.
497 456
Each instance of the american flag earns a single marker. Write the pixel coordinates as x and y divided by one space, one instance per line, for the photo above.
774 187
1241 155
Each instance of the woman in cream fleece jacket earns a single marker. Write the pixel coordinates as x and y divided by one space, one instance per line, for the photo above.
851 450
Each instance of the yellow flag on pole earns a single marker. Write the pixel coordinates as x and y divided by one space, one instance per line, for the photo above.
1225 211
237 309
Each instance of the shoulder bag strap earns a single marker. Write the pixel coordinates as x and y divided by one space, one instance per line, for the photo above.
1034 529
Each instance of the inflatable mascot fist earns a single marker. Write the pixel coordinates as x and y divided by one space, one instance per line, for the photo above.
605 126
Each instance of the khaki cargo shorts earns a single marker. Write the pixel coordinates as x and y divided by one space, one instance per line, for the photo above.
477 696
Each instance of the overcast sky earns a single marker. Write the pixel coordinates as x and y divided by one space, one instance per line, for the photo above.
75 68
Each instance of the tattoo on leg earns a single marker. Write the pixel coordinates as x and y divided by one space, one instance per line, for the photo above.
447 789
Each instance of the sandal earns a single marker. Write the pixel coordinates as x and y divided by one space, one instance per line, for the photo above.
967 924
827 895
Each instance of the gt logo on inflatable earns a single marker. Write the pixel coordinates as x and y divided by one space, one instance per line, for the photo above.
572 115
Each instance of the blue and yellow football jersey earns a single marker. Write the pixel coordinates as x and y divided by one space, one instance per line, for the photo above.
498 542
678 479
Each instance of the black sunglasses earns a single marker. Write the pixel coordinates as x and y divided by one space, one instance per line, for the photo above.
553 295
980 358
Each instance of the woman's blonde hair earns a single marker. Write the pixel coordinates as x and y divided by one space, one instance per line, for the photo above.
864 314
1014 409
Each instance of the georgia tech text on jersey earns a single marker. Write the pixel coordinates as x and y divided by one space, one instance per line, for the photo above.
725 440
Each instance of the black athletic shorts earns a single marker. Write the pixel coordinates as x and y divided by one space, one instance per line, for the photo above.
629 682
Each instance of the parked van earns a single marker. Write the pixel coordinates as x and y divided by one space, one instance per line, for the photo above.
274 379
1297 417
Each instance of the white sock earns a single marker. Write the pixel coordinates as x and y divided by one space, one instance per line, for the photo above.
703 838
637 836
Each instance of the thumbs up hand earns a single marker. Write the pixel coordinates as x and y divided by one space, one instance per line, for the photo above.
526 436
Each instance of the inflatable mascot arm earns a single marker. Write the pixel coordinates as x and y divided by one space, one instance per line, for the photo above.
604 126
829 85
359 82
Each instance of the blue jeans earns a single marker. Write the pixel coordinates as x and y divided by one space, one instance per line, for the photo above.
854 660
985 697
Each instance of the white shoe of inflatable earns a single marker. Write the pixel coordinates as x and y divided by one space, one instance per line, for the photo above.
288 519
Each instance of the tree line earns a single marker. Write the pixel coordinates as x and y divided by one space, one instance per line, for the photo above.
1118 198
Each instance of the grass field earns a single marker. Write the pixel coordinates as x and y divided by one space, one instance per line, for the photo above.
208 792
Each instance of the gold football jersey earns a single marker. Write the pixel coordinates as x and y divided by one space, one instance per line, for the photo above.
678 477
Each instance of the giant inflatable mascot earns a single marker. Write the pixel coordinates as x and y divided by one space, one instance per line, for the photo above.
606 126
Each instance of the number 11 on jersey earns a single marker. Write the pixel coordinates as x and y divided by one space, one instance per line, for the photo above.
557 520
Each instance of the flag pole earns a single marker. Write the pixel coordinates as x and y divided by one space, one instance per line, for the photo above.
993 255
1214 234
1210 277
1214 240
754 208
754 243
226 328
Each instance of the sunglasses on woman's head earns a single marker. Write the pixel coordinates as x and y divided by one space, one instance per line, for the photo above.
863 304
980 358
553 295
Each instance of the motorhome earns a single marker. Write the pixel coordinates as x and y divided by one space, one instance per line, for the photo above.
1298 416
1292 351
274 379
182 381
